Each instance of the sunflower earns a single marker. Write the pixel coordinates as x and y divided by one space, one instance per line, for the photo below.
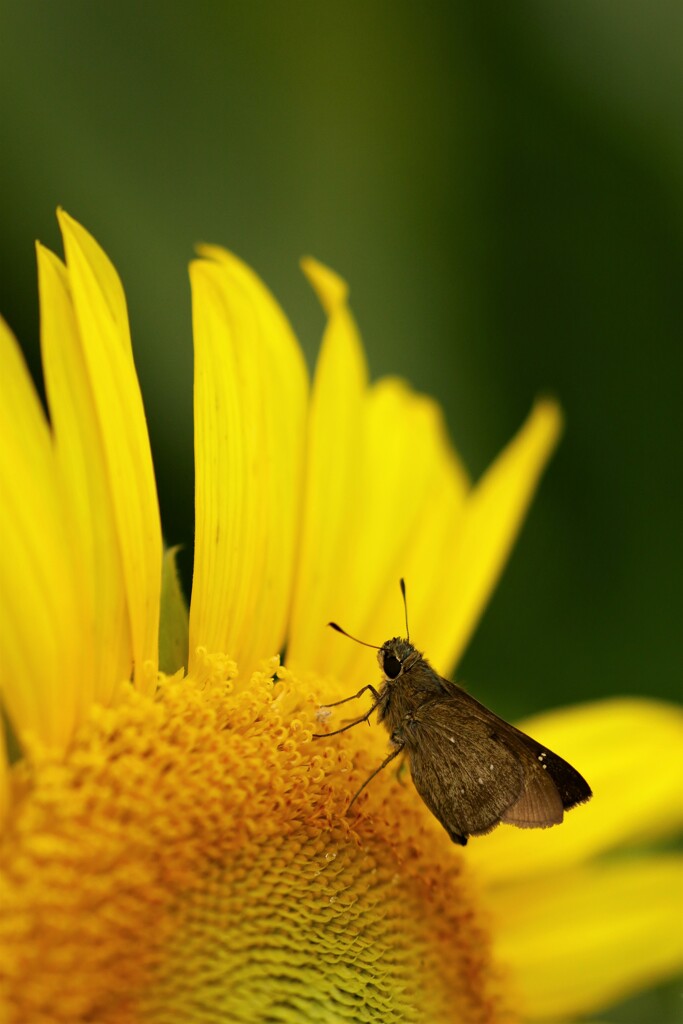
175 845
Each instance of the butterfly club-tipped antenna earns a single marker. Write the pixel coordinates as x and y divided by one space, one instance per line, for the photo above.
402 583
334 625
363 689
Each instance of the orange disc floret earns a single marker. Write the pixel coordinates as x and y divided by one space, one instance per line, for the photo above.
190 860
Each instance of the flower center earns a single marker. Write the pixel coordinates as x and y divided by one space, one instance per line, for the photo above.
302 929
191 861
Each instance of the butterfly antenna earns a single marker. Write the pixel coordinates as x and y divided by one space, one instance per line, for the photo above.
343 631
405 607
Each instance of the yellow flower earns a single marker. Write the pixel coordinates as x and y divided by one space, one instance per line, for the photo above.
175 847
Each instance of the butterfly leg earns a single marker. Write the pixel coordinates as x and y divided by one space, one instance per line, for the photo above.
385 762
357 721
354 696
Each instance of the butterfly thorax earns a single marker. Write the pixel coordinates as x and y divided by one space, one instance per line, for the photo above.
409 682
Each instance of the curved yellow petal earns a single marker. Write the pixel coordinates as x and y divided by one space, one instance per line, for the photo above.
492 519
40 650
101 290
102 321
96 562
629 750
591 937
331 508
412 491
387 497
250 406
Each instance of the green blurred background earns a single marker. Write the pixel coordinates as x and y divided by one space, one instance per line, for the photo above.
502 185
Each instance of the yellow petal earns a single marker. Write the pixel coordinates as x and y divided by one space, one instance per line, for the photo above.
103 327
250 407
387 497
331 510
493 517
412 491
96 562
40 652
591 937
629 751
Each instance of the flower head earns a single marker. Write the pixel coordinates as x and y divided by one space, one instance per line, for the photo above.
176 847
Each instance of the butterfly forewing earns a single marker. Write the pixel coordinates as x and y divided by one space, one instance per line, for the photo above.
474 770
460 768
569 784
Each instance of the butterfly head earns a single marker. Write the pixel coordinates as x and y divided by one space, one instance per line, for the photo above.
395 657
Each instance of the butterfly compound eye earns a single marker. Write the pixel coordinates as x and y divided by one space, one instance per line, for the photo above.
392 666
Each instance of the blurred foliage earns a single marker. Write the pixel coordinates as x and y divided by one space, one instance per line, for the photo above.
503 187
